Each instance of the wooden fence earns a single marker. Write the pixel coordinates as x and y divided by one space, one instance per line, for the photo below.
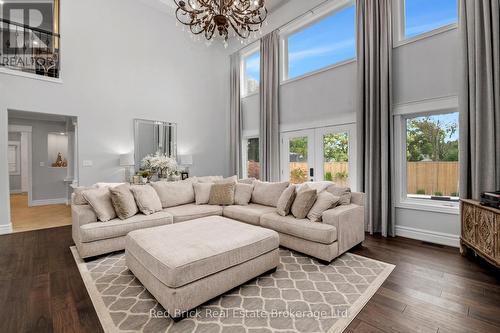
430 178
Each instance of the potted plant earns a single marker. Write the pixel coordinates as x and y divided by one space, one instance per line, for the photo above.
160 164
146 176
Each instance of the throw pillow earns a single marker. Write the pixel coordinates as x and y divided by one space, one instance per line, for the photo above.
303 202
103 185
146 198
202 193
285 201
175 193
77 197
343 192
123 201
267 194
222 194
100 201
232 179
242 194
325 201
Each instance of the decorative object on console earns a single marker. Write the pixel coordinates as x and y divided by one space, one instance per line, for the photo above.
60 162
184 175
480 230
205 16
160 164
127 161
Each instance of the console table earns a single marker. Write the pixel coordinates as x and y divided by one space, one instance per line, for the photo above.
480 230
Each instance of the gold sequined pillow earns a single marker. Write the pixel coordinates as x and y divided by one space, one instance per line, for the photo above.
222 194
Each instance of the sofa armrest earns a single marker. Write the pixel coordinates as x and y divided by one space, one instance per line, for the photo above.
82 214
350 225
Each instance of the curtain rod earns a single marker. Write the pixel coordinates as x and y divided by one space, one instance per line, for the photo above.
309 11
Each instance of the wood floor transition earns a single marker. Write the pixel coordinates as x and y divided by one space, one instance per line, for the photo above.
432 289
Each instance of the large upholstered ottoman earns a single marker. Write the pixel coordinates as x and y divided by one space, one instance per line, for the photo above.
186 264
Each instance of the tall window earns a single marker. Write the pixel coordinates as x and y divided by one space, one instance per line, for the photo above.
421 16
323 43
251 165
251 73
432 157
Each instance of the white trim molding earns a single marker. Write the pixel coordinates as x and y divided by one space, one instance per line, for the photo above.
49 202
20 128
5 229
346 118
426 105
428 236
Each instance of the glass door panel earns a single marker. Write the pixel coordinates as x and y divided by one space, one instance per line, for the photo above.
298 156
336 158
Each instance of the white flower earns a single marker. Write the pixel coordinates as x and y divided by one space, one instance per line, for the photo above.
159 163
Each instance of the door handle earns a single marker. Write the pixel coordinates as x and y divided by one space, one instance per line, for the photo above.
311 172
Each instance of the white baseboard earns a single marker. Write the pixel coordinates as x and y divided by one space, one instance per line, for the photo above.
5 229
49 202
428 236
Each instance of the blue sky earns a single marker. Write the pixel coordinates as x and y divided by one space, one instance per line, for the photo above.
332 39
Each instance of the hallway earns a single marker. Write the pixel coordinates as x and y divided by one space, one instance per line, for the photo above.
26 218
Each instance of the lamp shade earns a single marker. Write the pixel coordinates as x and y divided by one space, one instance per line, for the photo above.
186 159
127 160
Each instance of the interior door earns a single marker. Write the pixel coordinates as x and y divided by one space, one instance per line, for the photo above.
298 156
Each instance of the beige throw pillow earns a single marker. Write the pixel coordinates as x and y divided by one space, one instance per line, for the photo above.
77 197
146 199
202 193
222 194
285 201
303 202
343 192
232 179
267 194
174 193
325 201
242 194
123 201
100 200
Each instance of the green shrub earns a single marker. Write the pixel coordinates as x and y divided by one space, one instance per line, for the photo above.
438 194
455 194
421 191
328 176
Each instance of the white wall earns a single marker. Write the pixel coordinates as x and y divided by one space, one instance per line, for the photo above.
424 69
123 60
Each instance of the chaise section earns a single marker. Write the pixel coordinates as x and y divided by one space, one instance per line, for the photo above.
248 214
193 211
301 228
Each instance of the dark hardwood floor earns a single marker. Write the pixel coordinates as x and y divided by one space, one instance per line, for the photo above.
432 288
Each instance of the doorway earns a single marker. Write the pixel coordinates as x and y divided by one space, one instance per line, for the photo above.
318 154
42 150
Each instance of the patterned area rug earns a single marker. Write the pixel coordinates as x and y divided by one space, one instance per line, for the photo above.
301 296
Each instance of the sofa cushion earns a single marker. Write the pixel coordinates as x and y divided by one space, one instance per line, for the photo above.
325 201
123 201
182 253
174 193
286 200
100 200
267 194
192 211
208 179
242 194
146 199
91 232
249 214
301 228
202 192
222 194
343 192
232 179
247 181
304 200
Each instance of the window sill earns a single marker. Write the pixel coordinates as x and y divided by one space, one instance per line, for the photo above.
404 41
316 72
14 72
434 206
250 95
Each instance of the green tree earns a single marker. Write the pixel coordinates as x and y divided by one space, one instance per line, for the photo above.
431 138
298 147
336 147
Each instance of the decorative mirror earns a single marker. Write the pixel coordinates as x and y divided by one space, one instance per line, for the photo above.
152 136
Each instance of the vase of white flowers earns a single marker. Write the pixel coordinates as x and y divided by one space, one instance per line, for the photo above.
161 164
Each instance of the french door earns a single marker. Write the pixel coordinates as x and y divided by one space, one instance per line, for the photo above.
325 153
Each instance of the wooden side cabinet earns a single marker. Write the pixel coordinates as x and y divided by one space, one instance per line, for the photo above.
480 230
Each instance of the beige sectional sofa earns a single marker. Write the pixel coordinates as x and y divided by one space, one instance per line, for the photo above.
341 228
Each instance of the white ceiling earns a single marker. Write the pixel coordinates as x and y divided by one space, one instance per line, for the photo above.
169 5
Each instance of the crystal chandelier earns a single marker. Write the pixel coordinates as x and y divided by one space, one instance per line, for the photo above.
208 17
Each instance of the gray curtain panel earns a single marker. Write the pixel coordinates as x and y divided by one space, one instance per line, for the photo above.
479 97
269 107
235 158
374 117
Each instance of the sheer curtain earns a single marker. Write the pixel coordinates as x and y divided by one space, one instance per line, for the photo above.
235 158
373 107
479 97
269 107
